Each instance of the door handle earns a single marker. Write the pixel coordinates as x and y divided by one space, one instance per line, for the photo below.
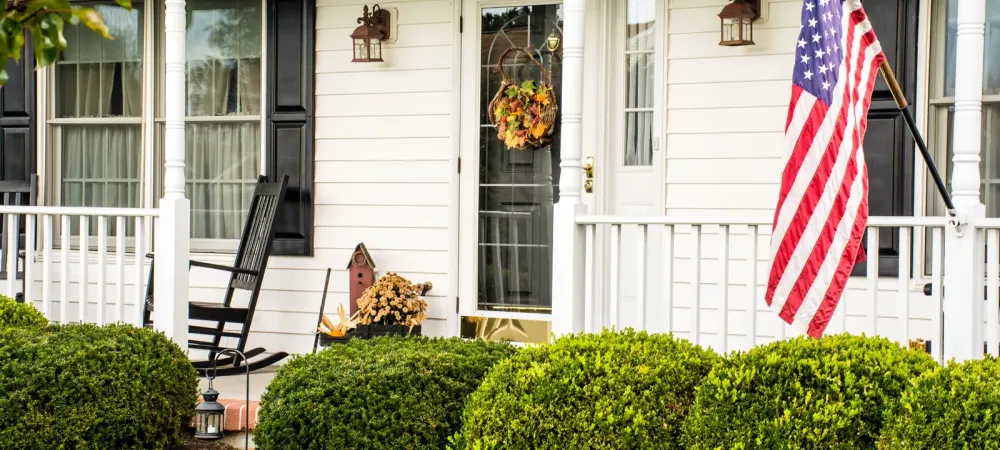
588 171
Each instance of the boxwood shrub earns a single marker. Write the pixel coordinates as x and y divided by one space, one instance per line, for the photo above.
384 393
957 407
13 314
803 393
89 387
608 390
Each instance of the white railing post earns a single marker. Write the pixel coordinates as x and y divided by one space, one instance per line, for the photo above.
173 236
963 273
568 247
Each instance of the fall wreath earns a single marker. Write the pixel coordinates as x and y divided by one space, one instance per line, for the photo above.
524 114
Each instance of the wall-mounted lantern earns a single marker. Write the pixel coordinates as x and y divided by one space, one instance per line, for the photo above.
368 37
737 20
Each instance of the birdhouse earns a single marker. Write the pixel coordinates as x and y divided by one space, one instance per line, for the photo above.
361 274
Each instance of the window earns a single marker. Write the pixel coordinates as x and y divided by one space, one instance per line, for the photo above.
223 129
942 103
97 122
101 153
640 62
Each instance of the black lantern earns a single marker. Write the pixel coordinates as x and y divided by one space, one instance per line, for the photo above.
209 416
737 22
367 38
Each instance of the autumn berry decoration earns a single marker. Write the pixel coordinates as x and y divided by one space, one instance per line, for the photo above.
524 114
393 300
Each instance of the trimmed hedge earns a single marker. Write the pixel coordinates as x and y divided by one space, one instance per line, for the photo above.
957 407
832 393
612 390
89 387
384 393
13 314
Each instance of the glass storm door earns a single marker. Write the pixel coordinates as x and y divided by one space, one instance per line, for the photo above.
508 199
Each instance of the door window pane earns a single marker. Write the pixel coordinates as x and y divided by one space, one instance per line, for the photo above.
517 188
223 97
991 77
640 65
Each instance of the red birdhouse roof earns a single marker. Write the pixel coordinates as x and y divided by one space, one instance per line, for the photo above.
361 251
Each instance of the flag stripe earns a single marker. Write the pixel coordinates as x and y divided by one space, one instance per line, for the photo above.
825 143
837 190
822 206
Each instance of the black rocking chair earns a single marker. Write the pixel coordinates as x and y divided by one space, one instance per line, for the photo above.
247 273
16 193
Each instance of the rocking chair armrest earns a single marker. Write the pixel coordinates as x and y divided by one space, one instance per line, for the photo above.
223 268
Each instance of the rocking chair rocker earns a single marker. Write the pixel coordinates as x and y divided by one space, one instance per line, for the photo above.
247 273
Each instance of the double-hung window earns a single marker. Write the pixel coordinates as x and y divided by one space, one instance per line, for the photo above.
942 103
106 105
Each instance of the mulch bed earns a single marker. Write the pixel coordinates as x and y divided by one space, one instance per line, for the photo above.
188 442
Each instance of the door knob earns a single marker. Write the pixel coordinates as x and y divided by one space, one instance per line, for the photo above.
588 171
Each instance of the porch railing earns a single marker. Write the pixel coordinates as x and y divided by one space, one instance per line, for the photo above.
704 279
78 264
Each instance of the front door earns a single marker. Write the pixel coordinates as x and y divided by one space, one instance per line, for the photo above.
507 195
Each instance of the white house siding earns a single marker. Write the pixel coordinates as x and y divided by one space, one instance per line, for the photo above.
726 110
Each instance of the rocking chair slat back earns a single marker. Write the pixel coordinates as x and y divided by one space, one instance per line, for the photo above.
258 234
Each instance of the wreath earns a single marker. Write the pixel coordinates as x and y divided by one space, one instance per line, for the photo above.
524 114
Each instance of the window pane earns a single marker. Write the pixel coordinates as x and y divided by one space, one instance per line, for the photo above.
951 34
222 168
223 79
991 77
640 63
223 58
100 77
100 165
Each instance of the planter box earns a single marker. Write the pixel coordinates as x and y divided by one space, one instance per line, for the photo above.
368 332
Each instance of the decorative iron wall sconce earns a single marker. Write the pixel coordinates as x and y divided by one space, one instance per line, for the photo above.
368 37
736 21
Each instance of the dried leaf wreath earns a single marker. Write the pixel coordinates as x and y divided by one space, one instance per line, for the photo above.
524 114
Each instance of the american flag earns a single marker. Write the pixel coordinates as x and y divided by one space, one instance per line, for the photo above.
823 202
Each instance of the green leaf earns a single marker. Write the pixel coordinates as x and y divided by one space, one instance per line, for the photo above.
127 4
93 20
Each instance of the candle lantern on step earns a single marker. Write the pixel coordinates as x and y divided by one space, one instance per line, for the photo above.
209 416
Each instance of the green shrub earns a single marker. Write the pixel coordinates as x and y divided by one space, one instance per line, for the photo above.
379 394
612 390
13 314
89 387
803 393
957 407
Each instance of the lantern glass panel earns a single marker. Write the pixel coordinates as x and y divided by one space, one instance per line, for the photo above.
360 49
376 50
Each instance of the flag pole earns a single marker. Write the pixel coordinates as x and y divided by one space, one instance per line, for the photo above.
897 94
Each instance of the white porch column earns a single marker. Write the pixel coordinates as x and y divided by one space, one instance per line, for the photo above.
963 285
568 246
173 236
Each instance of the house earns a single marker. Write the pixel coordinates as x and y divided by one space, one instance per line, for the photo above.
651 207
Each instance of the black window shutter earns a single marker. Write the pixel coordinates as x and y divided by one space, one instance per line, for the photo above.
17 118
889 148
291 30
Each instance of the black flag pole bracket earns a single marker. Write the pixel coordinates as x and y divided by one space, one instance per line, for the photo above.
901 103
